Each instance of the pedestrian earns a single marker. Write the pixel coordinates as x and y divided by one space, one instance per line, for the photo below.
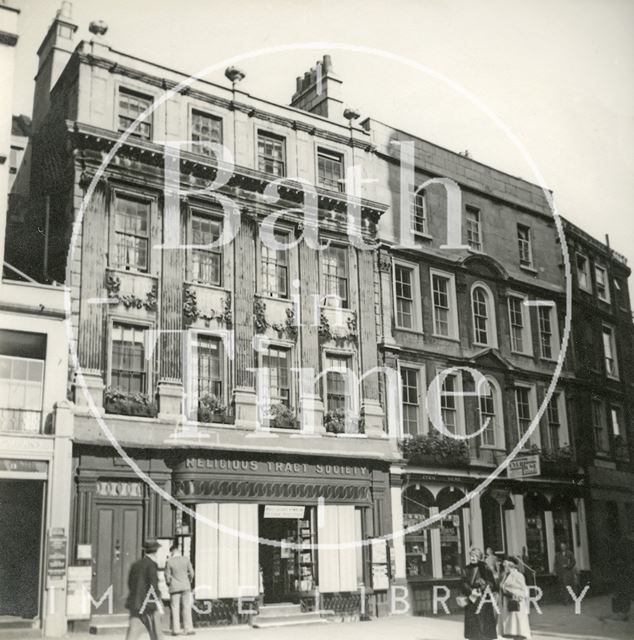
478 586
513 620
493 563
565 571
179 574
144 600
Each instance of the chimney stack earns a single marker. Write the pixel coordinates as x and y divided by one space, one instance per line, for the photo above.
319 91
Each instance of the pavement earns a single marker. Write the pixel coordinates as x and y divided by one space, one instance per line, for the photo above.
556 621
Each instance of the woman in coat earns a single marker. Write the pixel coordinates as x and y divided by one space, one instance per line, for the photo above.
513 621
478 586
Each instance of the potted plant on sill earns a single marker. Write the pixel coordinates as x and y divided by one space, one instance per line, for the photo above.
282 417
558 462
210 409
129 403
343 421
435 449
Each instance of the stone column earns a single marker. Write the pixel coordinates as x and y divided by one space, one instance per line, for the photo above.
434 537
387 300
550 539
516 526
477 537
397 524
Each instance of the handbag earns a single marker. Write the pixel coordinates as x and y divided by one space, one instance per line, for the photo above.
462 601
512 606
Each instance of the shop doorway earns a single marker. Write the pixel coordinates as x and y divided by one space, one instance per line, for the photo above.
21 505
287 570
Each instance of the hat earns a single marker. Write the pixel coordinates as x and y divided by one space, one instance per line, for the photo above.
150 546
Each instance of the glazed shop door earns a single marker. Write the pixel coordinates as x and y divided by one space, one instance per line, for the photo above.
116 546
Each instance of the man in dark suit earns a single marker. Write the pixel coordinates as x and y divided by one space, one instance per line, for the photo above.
144 599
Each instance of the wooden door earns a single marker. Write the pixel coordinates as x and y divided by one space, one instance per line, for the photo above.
117 545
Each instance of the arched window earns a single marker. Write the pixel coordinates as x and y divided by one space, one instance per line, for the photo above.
484 326
490 408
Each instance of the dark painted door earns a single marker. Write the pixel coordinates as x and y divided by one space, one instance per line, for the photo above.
117 545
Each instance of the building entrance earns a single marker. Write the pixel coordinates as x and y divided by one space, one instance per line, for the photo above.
287 570
21 504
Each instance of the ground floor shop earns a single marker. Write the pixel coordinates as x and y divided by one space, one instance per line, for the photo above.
528 520
259 528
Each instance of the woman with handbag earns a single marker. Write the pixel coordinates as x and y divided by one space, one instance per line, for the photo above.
513 620
477 600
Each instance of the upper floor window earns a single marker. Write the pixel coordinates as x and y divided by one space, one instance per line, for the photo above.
209 366
410 404
449 405
474 238
128 366
601 280
404 293
206 261
618 434
132 223
131 106
206 129
338 393
520 325
490 408
553 417
330 170
275 268
484 328
444 305
524 245
547 317
601 437
22 358
277 361
419 213
583 272
271 154
525 409
609 352
334 272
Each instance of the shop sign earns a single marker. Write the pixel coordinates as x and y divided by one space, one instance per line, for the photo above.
77 593
284 511
56 556
24 466
380 565
524 467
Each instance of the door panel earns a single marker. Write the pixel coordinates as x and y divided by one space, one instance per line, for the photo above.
117 546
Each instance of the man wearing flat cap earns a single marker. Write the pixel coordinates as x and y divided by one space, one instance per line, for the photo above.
144 599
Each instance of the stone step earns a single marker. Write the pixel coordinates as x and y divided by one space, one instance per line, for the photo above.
281 609
287 621
108 623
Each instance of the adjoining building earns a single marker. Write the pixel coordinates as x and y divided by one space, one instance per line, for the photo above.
35 417
602 356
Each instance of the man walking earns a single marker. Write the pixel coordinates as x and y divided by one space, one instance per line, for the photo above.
144 600
179 574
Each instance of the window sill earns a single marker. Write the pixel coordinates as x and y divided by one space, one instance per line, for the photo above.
483 345
268 296
448 338
415 331
132 272
422 236
529 268
204 285
526 354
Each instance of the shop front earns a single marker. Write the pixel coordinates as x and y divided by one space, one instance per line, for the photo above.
260 519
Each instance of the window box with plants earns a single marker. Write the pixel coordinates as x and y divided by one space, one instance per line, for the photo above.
282 417
212 410
557 462
129 403
436 450
343 421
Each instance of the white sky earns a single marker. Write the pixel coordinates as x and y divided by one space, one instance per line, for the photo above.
558 72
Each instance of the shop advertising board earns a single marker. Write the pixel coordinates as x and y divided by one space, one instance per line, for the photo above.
380 565
524 467
56 555
284 511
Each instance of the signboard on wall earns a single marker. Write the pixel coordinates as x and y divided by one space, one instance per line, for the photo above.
380 565
56 556
524 467
284 511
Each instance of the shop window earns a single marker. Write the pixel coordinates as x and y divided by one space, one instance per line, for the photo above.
524 245
206 261
275 268
271 154
131 106
330 170
334 276
562 507
474 238
418 553
493 528
206 130
22 358
132 223
128 372
536 549
452 548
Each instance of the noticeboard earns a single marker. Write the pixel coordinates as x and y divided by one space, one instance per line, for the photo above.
56 556
380 565
524 467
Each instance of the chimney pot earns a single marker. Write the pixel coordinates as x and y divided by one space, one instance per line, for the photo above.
98 27
66 10
350 113
234 74
327 62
